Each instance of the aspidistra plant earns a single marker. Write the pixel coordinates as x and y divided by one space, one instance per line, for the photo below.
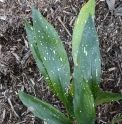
52 61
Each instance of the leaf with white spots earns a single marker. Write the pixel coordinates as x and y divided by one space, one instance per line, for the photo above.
88 8
103 97
33 46
43 110
50 56
83 100
88 59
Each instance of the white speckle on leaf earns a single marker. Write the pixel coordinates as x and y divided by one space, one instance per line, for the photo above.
60 58
77 20
44 58
86 53
91 95
76 64
54 51
53 73
31 28
46 78
59 69
96 73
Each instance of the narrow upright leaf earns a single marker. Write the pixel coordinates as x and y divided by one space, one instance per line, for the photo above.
83 100
33 46
43 110
48 50
88 8
88 58
52 53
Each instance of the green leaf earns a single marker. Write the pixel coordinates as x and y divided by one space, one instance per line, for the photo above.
33 46
50 56
43 110
83 100
88 8
88 58
116 120
103 97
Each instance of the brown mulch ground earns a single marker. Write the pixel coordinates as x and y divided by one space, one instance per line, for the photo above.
18 70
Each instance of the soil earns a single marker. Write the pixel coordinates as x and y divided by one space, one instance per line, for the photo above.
18 70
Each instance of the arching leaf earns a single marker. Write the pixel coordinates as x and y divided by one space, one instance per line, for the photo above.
88 8
43 110
50 56
33 46
103 97
88 59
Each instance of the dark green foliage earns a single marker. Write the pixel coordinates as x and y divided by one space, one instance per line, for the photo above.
43 110
84 93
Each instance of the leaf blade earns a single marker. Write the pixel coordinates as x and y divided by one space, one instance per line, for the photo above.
53 58
53 54
83 100
88 8
103 97
43 110
33 46
88 58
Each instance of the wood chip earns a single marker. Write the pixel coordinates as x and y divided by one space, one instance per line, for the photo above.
2 1
111 4
10 103
112 69
3 17
64 26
